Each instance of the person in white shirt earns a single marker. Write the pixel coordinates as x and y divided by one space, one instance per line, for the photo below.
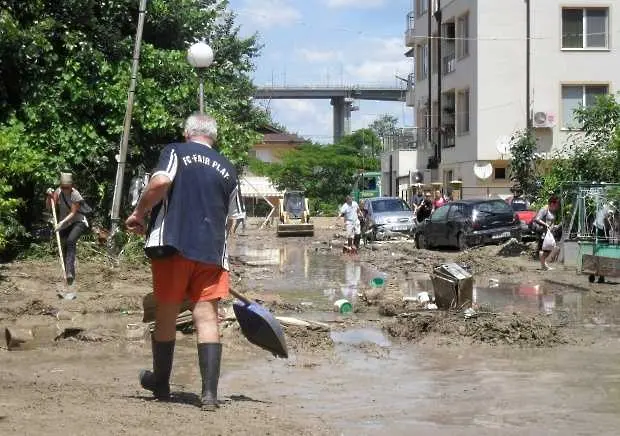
351 213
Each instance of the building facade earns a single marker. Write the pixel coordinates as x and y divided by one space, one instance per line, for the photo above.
478 81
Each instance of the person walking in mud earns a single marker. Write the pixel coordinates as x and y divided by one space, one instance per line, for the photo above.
544 222
351 213
73 222
191 198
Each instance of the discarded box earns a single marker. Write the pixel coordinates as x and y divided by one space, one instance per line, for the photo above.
453 286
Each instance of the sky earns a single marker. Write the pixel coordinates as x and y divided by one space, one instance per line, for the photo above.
327 42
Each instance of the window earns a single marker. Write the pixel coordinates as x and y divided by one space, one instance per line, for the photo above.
585 28
421 7
422 62
457 211
462 36
441 213
462 110
500 173
576 96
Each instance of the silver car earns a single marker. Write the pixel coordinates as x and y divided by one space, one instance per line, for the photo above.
385 215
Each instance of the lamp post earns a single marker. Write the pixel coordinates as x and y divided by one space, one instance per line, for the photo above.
200 56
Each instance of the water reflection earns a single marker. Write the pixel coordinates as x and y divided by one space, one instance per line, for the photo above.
526 297
303 269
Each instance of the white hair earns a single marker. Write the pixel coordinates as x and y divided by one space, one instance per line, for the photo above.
201 125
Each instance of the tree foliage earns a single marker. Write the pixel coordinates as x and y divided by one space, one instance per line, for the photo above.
592 155
325 172
385 125
524 162
64 76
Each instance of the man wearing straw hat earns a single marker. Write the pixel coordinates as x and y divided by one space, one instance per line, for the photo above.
72 222
191 198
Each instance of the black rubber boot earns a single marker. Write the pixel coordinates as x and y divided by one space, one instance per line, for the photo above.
158 380
209 360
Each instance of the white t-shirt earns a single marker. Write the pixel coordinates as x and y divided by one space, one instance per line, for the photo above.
350 212
601 217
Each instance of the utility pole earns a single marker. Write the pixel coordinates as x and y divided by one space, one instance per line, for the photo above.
122 155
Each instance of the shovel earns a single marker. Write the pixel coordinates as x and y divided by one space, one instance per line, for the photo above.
64 295
258 325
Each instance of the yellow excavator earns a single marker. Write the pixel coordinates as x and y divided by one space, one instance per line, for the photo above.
294 215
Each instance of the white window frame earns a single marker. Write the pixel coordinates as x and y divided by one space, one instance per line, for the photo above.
462 36
459 112
584 95
584 28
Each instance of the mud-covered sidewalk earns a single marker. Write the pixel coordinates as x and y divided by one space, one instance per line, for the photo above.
542 363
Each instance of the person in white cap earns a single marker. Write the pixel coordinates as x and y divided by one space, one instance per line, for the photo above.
72 222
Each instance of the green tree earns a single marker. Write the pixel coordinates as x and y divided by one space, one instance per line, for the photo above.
593 154
64 75
385 125
524 162
363 142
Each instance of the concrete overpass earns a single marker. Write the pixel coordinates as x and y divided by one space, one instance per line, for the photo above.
341 97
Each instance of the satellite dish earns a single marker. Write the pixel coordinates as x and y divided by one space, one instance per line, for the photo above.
503 145
483 171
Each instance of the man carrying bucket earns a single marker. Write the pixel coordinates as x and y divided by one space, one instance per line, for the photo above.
351 213
186 242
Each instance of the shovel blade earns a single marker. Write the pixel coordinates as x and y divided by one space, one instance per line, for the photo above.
261 328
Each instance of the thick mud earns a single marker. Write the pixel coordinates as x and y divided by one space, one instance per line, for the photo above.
537 356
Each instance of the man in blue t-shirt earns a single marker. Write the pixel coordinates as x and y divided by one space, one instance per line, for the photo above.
191 198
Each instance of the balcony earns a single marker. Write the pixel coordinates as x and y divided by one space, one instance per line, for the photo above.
402 139
448 63
410 96
410 30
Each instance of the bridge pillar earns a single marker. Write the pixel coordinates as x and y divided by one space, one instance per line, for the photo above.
343 106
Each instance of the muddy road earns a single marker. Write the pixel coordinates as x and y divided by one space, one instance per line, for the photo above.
539 357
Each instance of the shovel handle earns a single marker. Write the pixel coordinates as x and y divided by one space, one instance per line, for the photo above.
239 296
58 243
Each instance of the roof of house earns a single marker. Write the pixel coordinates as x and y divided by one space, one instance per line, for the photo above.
282 137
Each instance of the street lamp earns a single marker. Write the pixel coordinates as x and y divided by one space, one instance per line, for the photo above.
200 56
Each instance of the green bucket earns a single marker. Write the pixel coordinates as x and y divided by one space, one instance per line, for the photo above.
343 306
377 282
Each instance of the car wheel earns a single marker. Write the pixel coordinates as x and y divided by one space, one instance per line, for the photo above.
461 242
420 241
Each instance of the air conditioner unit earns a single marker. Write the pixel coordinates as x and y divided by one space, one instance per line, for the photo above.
416 177
543 120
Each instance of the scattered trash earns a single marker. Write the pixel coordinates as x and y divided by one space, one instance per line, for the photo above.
431 306
423 297
493 283
453 286
343 306
135 332
306 304
469 313
67 295
377 282
17 338
63 316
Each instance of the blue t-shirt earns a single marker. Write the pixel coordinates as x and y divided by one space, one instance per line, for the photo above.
192 218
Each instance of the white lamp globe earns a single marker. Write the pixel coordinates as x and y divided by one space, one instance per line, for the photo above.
200 55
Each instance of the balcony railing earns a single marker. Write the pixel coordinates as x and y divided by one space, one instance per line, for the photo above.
449 63
402 139
410 29
427 139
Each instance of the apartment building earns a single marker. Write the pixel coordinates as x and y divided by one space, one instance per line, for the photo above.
478 81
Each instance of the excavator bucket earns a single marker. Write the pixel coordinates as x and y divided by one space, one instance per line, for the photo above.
294 215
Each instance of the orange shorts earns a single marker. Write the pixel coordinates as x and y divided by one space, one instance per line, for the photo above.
176 278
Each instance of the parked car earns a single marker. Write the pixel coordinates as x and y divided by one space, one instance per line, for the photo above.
467 223
525 216
387 214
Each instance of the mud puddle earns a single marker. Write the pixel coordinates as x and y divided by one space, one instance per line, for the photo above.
304 276
446 392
